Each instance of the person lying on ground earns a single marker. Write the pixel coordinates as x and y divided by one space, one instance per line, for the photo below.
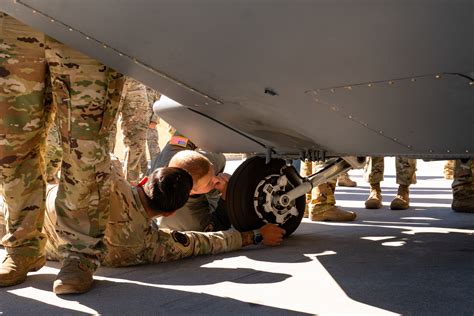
131 235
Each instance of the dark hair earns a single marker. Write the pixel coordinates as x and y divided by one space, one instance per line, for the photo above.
168 189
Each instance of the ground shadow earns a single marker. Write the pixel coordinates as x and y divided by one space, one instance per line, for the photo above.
410 272
131 299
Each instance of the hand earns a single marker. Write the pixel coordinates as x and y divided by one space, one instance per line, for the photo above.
220 184
272 234
152 125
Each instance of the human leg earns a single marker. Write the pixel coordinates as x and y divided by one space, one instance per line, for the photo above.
134 127
323 203
22 137
463 186
406 176
87 95
448 170
373 173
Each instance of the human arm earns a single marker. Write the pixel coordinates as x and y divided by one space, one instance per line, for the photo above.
177 245
271 234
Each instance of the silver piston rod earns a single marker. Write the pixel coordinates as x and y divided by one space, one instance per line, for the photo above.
322 176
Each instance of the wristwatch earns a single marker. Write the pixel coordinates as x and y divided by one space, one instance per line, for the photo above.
257 236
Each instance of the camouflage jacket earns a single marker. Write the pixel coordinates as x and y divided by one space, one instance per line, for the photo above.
132 237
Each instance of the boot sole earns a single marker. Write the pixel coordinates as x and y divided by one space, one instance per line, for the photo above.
374 207
348 219
15 282
463 209
64 289
399 208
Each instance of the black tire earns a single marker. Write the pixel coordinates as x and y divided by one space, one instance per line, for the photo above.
241 190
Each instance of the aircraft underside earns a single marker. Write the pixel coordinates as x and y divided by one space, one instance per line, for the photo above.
288 79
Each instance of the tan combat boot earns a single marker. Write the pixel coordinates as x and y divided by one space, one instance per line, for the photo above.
74 278
344 181
463 200
323 207
375 197
14 268
402 200
332 214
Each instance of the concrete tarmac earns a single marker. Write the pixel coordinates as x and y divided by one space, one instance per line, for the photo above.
414 262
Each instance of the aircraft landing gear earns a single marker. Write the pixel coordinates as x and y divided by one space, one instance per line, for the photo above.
260 193
251 196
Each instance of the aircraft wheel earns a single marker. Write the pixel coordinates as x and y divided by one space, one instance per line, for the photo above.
250 193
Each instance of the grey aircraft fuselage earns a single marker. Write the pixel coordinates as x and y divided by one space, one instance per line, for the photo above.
333 78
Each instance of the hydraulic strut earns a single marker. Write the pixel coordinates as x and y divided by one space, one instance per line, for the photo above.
328 172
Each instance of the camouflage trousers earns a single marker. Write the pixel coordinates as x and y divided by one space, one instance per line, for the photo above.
134 116
54 154
86 96
405 169
3 225
463 183
152 142
448 169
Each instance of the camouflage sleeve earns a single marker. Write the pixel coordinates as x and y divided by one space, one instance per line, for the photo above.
174 245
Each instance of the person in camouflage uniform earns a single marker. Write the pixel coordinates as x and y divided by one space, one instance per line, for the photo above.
321 202
134 112
152 137
86 95
406 176
463 186
448 170
133 238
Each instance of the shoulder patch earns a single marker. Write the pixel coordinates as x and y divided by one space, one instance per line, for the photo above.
180 238
179 141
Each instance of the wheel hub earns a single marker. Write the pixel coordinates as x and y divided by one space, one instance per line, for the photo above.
266 200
